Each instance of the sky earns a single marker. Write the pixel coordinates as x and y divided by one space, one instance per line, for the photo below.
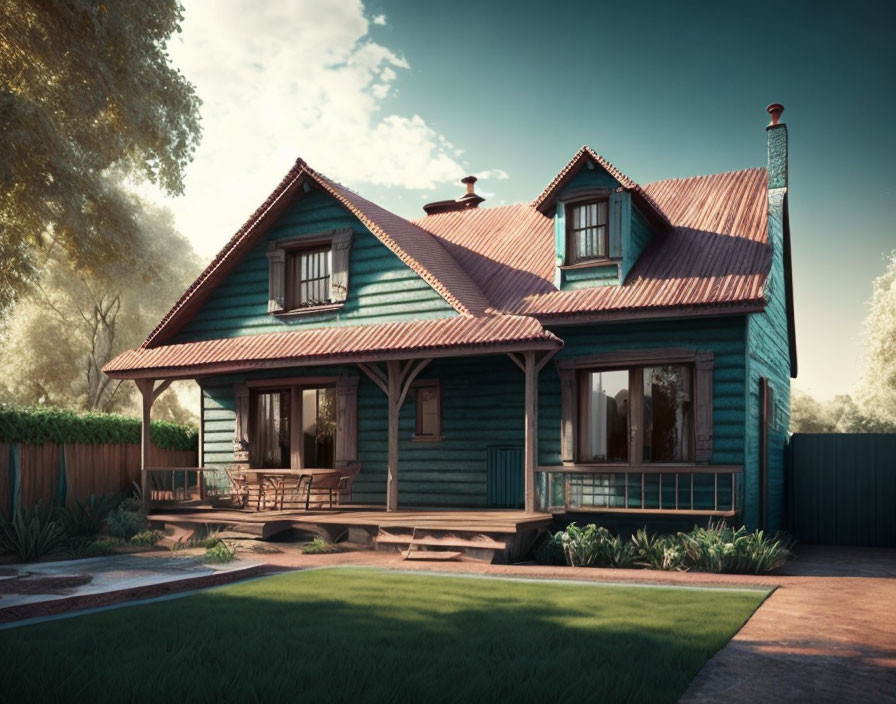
399 100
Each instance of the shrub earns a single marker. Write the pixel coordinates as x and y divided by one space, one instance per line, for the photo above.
80 546
318 546
716 548
31 534
595 546
86 518
147 538
658 552
220 552
209 541
124 523
40 425
719 548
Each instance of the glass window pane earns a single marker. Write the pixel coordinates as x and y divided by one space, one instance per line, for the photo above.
318 428
428 398
668 414
269 448
607 433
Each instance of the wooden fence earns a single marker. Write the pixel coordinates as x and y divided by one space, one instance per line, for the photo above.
842 488
60 473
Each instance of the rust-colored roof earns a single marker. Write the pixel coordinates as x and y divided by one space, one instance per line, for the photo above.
716 254
414 246
465 334
545 201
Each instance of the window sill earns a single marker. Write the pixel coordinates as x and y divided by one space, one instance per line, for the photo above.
308 310
591 264
427 438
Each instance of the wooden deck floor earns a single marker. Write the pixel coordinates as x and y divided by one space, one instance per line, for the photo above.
266 523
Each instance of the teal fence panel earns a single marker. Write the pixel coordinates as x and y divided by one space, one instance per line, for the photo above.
842 488
505 483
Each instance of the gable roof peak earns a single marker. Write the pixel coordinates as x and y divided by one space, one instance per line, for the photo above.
548 197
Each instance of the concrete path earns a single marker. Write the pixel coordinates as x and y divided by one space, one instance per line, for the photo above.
45 588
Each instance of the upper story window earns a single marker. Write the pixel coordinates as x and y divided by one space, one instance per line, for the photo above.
308 277
308 274
587 231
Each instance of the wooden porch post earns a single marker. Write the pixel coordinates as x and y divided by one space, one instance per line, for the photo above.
531 437
149 393
530 366
395 383
146 388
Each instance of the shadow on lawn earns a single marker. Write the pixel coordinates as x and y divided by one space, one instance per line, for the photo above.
343 635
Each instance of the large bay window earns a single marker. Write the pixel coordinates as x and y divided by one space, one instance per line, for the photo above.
637 408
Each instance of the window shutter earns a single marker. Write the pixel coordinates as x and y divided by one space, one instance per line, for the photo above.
620 222
703 364
241 423
342 245
567 412
276 278
559 243
346 421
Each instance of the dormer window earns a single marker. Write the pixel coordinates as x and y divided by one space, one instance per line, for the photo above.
587 231
308 274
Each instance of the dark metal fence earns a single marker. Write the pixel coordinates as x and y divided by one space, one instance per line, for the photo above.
842 488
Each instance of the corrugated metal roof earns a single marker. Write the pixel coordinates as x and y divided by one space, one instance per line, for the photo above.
466 333
717 253
413 245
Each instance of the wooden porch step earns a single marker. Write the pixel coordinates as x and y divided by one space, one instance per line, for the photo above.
435 555
451 541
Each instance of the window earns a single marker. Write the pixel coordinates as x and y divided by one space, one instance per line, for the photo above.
308 277
668 414
293 427
429 412
587 231
309 274
639 414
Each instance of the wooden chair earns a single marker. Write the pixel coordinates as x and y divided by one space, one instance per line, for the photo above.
346 482
239 486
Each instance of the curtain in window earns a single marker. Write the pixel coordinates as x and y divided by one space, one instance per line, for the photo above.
608 416
270 446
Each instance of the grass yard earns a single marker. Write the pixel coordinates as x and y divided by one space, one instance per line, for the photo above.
353 635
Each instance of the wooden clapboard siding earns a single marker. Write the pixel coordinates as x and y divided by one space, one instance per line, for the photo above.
639 237
574 279
769 357
724 337
381 286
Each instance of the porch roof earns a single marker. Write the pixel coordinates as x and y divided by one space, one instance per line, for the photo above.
453 336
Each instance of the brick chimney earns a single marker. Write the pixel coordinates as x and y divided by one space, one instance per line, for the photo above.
467 200
777 148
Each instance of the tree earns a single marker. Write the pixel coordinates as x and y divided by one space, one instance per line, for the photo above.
86 90
63 331
839 415
877 391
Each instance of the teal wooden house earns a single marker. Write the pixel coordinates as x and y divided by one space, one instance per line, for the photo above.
607 352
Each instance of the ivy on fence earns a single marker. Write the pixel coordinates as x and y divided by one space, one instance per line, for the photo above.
40 425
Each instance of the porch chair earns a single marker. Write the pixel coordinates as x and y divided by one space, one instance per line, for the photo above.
346 482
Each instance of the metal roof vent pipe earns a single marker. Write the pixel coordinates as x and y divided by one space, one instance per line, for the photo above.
467 200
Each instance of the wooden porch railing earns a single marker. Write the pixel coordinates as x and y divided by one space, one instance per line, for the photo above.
176 484
649 489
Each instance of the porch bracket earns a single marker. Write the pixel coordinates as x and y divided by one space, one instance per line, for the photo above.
395 382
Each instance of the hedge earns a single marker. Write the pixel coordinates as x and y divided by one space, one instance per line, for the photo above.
39 425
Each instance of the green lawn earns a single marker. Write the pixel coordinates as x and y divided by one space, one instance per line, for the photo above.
354 635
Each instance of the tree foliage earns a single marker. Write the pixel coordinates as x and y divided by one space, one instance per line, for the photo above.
839 415
87 96
877 392
72 321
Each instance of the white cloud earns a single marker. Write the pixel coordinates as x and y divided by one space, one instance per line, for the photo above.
287 80
496 174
